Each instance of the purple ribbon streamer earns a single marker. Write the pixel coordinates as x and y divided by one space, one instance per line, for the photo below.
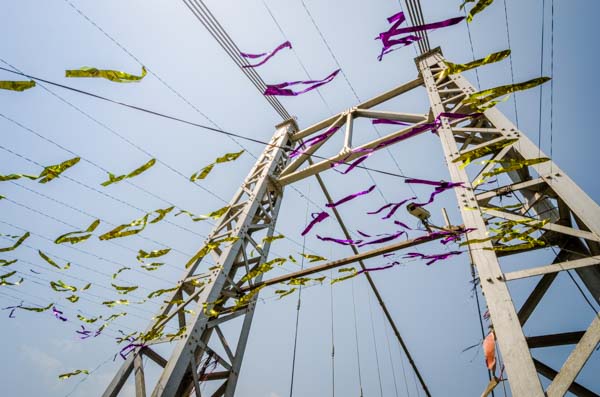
84 332
317 217
11 314
129 348
376 269
282 90
383 239
269 55
404 225
433 258
440 187
389 121
58 314
313 141
340 241
394 207
350 197
34 272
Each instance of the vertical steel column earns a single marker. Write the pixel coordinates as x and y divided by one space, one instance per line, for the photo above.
238 246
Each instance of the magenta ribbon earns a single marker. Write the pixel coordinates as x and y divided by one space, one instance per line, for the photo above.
440 187
394 30
388 121
376 269
282 90
432 258
394 207
340 241
350 197
84 333
129 348
383 239
362 243
12 309
313 141
58 314
269 55
317 217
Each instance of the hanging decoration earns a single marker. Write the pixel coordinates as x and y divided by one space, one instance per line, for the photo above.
454 68
16 85
203 173
484 100
74 238
112 75
214 215
480 6
440 187
316 218
282 90
393 207
432 258
112 178
350 197
17 243
74 373
265 55
152 254
51 262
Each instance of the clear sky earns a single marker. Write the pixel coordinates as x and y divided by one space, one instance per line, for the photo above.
433 306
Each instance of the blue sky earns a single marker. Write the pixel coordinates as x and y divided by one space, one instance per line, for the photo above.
432 305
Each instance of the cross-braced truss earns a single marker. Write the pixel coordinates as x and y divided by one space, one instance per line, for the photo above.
554 211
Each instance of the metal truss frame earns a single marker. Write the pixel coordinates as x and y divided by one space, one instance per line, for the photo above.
205 301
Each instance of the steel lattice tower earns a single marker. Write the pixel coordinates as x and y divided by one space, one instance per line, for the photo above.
569 221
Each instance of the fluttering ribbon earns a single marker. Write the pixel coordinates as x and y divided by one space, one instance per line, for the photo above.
513 165
161 214
4 262
152 254
53 171
51 262
350 197
469 156
313 258
393 208
88 320
247 299
340 240
123 290
480 6
152 266
213 215
112 75
3 278
128 229
16 85
209 247
432 258
351 270
85 333
162 291
263 268
114 276
440 187
227 157
313 141
12 177
316 218
506 232
74 238
397 19
454 68
177 334
58 314
129 348
74 373
483 100
282 90
116 302
285 292
112 178
72 298
388 121
265 55
29 309
61 286
270 239
17 243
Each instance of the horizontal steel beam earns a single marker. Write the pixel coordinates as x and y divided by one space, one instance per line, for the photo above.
566 338
553 268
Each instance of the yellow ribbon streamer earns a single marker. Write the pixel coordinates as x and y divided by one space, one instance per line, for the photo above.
246 299
203 173
454 68
314 258
36 309
51 262
513 165
127 229
112 178
61 286
74 373
4 262
17 243
483 100
124 338
263 268
74 239
351 270
161 214
16 85
53 171
160 292
73 298
152 266
12 177
152 254
179 333
114 276
116 302
283 292
214 215
474 154
209 247
112 75
270 239
299 281
480 6
123 290
88 320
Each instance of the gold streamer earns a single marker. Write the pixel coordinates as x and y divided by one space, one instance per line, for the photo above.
263 268
152 254
160 292
319 279
16 85
67 238
454 68
209 247
51 262
124 290
246 299
483 100
270 239
161 214
351 270
112 75
37 309
73 298
124 338
61 286
179 333
17 243
115 303
299 281
124 231
474 154
214 215
53 171
88 320
283 292
152 266
74 373
203 173
314 258
12 177
114 276
4 262
480 6
513 165
292 259
112 178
